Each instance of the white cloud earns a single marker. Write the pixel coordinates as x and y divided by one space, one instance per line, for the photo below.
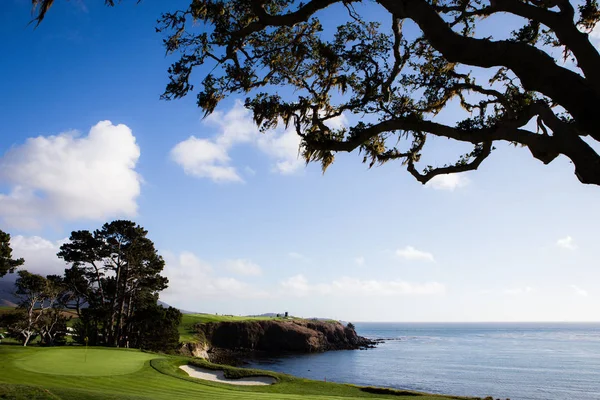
203 158
283 148
566 243
360 261
209 158
192 280
296 285
235 127
299 286
337 123
39 254
71 177
579 291
518 291
189 260
410 253
243 267
448 182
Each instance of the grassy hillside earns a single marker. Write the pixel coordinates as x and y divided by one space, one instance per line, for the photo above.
5 309
67 373
188 334
186 331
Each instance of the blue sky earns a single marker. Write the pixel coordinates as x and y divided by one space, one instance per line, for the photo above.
244 226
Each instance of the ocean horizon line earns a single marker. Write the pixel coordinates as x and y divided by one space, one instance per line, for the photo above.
474 322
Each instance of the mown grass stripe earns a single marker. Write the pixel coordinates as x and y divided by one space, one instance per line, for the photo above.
158 378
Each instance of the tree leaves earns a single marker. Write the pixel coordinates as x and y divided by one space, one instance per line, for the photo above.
7 263
374 73
115 270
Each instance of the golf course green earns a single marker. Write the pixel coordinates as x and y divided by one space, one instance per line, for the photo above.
82 362
64 373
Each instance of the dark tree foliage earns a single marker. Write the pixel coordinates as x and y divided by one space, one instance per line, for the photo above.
77 291
87 327
113 272
156 328
7 263
514 88
15 323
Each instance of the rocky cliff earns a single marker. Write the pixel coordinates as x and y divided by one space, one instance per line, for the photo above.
275 336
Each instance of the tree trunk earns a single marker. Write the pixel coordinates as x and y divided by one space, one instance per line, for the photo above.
27 336
113 340
122 304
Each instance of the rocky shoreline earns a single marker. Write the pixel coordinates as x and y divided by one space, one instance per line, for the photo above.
232 342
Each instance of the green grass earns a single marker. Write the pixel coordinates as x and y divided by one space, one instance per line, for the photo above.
187 333
82 362
21 392
186 327
12 341
156 378
5 309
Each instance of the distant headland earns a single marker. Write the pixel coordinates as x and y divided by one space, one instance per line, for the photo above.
212 336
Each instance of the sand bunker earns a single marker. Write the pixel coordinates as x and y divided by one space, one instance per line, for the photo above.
219 376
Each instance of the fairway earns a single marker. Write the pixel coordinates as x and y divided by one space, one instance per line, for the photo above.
78 361
36 373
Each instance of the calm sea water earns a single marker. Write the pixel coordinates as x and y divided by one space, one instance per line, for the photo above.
533 361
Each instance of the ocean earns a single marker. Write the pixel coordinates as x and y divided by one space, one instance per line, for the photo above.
519 361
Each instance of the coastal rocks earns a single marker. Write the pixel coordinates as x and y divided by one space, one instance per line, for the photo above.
199 350
301 336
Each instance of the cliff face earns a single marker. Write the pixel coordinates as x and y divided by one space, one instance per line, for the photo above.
199 350
282 336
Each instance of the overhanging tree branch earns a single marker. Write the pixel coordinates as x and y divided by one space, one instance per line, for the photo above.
574 93
483 151
393 86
